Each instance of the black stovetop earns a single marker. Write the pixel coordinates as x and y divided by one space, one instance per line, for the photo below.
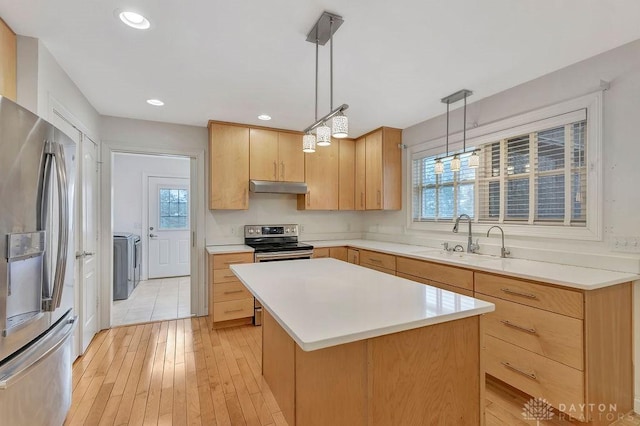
271 247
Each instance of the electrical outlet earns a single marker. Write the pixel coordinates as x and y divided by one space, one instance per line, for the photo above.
625 244
301 229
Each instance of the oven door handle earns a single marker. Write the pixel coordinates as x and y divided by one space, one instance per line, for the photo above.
283 255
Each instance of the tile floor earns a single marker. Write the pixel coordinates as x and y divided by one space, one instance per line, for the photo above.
154 300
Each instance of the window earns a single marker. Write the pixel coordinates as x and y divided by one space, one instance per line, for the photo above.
174 208
538 175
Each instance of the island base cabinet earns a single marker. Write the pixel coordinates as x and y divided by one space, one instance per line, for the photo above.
428 375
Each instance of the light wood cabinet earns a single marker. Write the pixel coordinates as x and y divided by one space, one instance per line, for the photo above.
346 175
353 256
569 346
378 170
275 156
8 62
228 167
339 253
321 176
230 303
379 261
360 170
320 253
435 272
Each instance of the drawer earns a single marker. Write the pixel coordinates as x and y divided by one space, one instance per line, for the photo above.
223 261
319 253
534 374
224 276
380 260
232 309
554 299
230 291
379 269
451 275
546 333
443 286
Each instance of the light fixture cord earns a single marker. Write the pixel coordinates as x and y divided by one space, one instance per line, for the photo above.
316 75
447 128
331 60
464 126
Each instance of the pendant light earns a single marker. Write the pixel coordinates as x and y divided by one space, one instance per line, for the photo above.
309 142
455 164
322 32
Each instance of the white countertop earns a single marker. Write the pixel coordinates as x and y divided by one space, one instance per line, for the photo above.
327 302
553 273
237 248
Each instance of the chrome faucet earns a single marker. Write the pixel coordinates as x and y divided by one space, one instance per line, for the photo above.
471 247
503 251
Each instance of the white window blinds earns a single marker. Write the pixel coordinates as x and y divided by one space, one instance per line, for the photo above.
532 174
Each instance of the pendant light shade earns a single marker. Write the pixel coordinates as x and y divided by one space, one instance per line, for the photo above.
323 135
474 161
340 126
439 167
309 143
455 163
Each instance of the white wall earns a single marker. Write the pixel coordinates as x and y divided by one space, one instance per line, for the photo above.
621 151
621 67
129 173
226 227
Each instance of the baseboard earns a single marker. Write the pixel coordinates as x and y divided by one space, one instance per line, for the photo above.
636 405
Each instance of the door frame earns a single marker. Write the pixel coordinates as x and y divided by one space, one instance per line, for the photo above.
197 211
57 109
145 213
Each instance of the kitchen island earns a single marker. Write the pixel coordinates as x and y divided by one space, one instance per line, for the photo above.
346 345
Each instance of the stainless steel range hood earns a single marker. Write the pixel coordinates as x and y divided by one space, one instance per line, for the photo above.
260 186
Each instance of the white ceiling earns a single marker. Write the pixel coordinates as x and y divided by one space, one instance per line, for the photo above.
235 59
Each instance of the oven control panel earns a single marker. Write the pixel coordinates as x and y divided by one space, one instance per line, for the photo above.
270 230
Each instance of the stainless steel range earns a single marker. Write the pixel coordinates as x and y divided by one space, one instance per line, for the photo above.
276 242
272 243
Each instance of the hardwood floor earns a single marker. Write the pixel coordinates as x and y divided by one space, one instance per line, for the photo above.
180 372
174 373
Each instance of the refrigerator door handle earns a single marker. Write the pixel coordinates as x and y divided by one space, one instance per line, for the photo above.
42 219
59 336
63 224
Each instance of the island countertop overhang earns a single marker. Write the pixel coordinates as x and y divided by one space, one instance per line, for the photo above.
326 302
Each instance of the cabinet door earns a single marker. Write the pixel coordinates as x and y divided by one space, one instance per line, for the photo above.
228 167
391 169
373 171
360 181
290 157
353 256
346 175
263 154
321 175
339 253
8 60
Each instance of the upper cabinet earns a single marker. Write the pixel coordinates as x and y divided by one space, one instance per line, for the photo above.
8 60
346 174
321 175
276 156
228 167
379 170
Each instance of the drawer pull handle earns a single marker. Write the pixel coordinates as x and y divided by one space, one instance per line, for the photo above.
518 327
232 311
229 275
233 262
517 370
517 293
233 292
375 260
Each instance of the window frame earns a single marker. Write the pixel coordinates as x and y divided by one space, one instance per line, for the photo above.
528 122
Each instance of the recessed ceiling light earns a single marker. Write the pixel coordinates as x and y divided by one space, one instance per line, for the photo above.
134 20
264 117
155 102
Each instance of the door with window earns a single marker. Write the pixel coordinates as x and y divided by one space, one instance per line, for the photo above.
169 228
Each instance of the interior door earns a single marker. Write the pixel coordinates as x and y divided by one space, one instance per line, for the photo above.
88 259
169 228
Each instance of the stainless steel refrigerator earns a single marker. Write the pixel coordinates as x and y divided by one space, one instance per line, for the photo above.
37 179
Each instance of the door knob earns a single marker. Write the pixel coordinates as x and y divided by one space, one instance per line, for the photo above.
153 235
88 253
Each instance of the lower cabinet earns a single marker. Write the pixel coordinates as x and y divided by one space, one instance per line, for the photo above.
230 303
571 347
353 256
379 261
